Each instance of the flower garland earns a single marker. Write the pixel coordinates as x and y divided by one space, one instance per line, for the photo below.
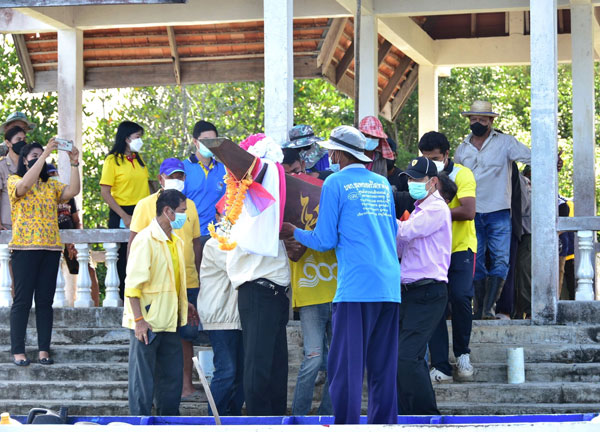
234 201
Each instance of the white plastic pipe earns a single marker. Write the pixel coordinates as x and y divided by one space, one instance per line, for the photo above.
516 366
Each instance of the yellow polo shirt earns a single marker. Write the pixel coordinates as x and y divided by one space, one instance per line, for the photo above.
145 212
128 180
314 278
175 260
463 232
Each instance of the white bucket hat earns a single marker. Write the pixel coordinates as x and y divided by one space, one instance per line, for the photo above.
349 140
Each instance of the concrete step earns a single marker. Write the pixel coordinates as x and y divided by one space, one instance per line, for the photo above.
526 393
538 372
530 334
75 317
63 354
75 336
97 407
535 353
116 371
483 408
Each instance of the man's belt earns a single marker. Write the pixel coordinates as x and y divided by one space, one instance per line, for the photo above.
419 283
268 284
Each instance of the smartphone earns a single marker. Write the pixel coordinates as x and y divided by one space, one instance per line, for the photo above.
64 144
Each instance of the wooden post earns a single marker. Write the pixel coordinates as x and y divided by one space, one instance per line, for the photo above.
428 99
279 68
70 88
544 177
582 45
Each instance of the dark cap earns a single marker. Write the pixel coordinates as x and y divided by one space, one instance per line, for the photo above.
421 167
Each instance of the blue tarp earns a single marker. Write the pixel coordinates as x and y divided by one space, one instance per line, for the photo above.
326 420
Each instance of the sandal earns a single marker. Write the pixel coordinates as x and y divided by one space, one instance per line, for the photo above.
25 362
46 361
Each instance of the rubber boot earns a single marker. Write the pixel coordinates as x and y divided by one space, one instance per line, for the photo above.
492 294
479 294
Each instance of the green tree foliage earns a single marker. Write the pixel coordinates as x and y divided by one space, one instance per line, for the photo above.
41 108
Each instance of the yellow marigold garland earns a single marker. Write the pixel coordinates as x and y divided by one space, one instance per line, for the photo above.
234 201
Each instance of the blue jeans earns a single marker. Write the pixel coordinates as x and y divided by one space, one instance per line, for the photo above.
493 234
227 383
188 332
315 321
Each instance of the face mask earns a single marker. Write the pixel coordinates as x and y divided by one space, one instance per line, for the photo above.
371 144
390 164
335 167
204 151
17 147
180 219
174 184
478 129
31 162
57 178
417 191
136 145
440 165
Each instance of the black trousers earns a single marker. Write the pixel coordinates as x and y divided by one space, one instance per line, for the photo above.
113 222
34 273
264 316
460 294
155 373
421 310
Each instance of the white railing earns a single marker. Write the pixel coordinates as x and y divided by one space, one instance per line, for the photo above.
110 239
585 270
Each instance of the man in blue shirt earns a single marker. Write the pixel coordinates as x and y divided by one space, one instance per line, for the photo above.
358 219
204 176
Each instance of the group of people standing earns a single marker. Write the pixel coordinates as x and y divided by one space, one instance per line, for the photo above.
392 254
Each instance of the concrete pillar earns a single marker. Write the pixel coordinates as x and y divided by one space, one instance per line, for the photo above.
582 43
428 99
544 177
70 89
279 68
368 87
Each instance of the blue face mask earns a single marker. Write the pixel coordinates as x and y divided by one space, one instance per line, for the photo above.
335 167
204 151
371 144
417 191
180 219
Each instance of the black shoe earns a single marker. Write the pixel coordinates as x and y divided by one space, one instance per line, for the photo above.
479 295
46 361
492 294
25 362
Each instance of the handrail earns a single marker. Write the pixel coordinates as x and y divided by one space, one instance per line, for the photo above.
578 223
88 236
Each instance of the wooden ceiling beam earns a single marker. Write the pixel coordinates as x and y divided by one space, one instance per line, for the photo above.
394 80
331 42
384 50
405 91
191 73
24 60
344 63
174 54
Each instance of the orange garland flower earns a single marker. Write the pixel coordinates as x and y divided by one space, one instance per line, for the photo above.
234 201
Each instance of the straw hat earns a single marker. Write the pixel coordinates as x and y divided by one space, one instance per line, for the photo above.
481 108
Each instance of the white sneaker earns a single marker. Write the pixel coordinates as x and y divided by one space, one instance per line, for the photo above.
439 377
464 369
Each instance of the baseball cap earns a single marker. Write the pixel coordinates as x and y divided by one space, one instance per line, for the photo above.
171 165
421 167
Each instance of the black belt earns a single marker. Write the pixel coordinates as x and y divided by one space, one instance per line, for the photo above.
417 284
268 284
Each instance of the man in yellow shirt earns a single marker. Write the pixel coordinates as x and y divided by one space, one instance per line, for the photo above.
435 147
314 281
172 176
155 306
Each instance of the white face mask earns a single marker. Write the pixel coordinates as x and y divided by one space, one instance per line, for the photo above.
174 184
440 165
136 145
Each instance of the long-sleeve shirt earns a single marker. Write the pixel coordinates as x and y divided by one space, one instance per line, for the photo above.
358 219
425 241
491 167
